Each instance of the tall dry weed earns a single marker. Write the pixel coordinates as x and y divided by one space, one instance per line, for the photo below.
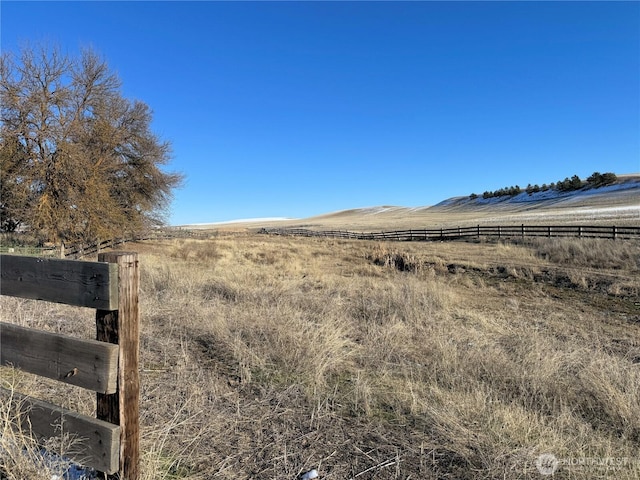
22 456
589 252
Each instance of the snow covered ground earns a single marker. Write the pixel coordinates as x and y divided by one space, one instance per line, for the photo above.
524 197
231 222
631 212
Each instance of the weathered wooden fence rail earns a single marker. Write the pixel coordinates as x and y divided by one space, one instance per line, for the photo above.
107 365
455 233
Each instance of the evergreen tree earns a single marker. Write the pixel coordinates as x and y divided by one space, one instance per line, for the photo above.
575 183
609 178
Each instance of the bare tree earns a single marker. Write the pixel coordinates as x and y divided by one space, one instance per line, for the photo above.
78 160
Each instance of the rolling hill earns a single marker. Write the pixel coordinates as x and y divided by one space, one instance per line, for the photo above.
618 203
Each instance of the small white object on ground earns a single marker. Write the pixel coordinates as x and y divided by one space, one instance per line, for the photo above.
309 475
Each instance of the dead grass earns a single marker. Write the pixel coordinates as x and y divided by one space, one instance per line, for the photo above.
589 252
268 356
21 456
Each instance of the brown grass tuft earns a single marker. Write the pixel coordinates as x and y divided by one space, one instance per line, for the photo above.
589 252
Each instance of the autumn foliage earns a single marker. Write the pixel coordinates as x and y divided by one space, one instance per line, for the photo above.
78 161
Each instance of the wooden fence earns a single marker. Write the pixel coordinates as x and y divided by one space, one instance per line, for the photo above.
456 233
107 365
77 251
73 251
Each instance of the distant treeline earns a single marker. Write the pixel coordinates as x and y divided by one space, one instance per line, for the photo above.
596 180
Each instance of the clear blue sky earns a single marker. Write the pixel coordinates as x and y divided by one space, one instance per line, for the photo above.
295 109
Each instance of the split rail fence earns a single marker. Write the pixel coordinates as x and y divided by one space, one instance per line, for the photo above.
456 233
80 250
107 365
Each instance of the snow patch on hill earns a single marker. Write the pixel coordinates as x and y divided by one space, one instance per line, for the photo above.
230 222
524 197
379 210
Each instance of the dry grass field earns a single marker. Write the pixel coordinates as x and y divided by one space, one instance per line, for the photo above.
264 357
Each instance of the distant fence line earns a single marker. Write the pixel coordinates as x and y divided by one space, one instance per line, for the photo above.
80 250
455 233
435 234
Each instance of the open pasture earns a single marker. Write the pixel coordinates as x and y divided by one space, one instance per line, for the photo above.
265 357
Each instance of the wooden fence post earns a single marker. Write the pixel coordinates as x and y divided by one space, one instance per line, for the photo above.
579 232
523 230
614 232
478 231
122 326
